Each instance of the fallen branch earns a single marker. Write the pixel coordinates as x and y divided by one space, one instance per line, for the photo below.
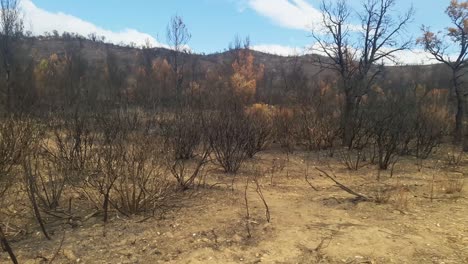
247 211
310 184
86 218
343 187
392 234
144 219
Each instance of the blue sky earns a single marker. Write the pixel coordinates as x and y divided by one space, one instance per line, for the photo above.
277 26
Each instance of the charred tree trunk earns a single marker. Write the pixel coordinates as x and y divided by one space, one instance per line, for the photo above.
8 92
348 121
460 114
105 206
6 246
32 197
458 135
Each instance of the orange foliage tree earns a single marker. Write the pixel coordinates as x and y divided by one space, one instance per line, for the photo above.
245 76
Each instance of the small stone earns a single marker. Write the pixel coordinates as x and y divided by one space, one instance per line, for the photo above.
237 238
69 254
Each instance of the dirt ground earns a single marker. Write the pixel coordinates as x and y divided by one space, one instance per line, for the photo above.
306 226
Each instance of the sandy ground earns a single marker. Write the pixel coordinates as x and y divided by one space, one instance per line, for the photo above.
306 226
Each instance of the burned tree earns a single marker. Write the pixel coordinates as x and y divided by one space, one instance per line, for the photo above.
380 33
178 37
439 47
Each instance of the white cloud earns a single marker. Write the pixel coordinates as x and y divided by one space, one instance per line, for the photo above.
295 14
411 57
39 21
416 56
279 49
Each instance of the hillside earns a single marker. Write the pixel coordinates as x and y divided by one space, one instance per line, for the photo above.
95 53
103 71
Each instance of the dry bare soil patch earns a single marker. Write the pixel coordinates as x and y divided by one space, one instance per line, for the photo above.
307 226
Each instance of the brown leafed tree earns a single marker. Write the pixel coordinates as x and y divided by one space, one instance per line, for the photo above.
379 37
246 74
441 45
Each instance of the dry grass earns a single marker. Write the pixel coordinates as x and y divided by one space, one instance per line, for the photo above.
401 198
453 184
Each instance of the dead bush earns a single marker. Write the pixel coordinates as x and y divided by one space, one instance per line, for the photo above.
230 137
277 166
69 149
108 160
387 134
455 156
453 184
186 148
142 186
15 138
284 129
382 193
430 128
401 197
353 159
31 172
47 181
183 131
187 171
358 155
126 171
259 116
59 158
319 118
38 187
389 125
315 133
